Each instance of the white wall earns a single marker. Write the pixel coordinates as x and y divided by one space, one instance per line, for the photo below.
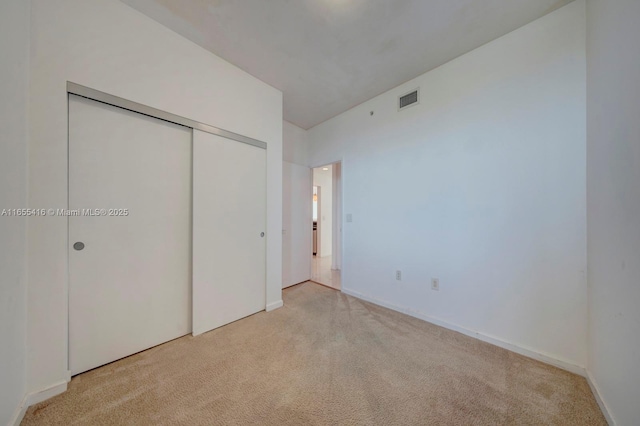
14 73
324 180
296 206
482 185
613 213
108 46
295 144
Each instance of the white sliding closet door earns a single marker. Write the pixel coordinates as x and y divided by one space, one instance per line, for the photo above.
229 219
129 287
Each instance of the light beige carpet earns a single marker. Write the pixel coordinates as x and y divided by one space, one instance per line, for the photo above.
324 358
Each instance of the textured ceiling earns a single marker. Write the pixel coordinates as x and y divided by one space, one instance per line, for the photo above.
330 55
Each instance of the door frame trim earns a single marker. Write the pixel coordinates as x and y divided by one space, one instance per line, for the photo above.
96 95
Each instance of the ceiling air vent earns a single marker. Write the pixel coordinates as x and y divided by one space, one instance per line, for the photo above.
409 99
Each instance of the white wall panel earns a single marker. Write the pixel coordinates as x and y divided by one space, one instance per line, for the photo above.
481 185
14 94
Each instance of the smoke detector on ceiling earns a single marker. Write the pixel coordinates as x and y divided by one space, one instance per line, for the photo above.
409 99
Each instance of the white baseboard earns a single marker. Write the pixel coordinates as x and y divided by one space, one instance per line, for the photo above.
596 392
18 415
528 352
36 397
275 305
50 392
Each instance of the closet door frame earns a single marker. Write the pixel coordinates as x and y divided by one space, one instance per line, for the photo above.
96 95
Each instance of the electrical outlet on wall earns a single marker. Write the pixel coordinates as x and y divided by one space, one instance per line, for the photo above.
399 275
435 284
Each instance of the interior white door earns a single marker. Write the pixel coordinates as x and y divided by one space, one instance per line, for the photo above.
229 241
297 222
129 287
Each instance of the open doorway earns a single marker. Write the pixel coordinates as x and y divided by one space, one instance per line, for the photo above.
327 226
